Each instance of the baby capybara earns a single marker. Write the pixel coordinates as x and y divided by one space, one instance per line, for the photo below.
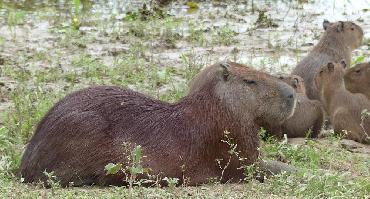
345 109
308 115
357 79
87 129
337 43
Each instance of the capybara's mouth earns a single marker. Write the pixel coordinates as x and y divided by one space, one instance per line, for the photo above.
293 105
288 109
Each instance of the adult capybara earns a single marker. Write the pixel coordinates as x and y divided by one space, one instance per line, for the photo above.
357 79
337 43
87 129
308 114
345 109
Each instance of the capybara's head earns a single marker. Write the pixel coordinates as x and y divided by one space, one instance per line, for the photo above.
357 78
348 32
294 81
247 93
330 74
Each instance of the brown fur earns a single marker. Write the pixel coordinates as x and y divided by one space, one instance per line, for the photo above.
308 114
357 79
344 108
337 43
86 130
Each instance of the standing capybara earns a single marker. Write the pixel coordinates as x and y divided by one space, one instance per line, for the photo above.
337 43
308 115
87 129
357 79
345 109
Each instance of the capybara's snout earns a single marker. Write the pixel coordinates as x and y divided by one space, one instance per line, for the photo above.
288 94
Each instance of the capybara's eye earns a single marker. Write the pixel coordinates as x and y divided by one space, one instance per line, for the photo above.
248 81
358 71
281 77
352 28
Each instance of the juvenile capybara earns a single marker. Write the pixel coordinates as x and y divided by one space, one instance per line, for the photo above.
357 79
345 109
337 43
86 130
308 114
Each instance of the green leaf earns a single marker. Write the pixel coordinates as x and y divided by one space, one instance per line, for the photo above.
192 5
359 59
136 170
112 168
136 154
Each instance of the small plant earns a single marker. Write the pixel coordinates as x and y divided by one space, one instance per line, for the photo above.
192 7
169 34
234 152
76 22
15 17
224 36
264 21
193 64
5 167
132 168
146 12
172 182
196 35
52 180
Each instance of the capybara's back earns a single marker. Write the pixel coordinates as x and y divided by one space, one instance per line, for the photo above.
82 133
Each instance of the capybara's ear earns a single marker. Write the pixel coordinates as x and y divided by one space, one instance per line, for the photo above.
343 63
325 24
330 66
225 73
340 26
295 82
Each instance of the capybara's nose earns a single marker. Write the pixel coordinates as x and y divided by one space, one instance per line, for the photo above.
288 93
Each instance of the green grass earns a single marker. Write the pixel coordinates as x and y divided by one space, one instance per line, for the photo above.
38 79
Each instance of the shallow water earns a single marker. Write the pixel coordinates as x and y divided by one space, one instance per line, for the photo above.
34 35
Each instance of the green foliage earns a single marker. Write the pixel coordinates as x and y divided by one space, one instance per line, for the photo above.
321 184
76 22
196 35
112 168
130 169
224 36
193 6
52 180
146 12
15 17
358 60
